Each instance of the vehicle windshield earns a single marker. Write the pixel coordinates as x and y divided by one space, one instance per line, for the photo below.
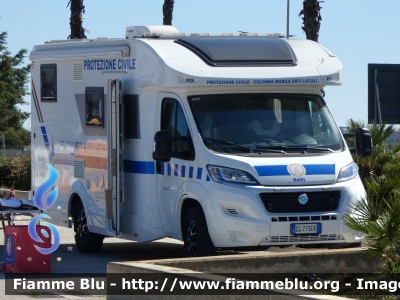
265 123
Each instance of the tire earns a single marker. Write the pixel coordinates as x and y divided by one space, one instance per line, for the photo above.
86 241
197 241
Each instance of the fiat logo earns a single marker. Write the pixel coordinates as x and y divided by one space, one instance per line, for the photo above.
303 199
296 170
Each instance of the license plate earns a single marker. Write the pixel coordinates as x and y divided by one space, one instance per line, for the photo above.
314 228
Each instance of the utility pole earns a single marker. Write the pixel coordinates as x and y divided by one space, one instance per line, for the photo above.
377 110
287 19
4 145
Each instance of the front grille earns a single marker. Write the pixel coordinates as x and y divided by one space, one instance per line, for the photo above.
304 238
289 203
330 217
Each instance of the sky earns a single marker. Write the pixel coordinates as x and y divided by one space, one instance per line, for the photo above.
359 32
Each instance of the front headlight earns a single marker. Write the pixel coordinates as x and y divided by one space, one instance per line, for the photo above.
221 174
348 172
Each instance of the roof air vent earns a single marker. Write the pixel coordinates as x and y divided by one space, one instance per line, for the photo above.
139 31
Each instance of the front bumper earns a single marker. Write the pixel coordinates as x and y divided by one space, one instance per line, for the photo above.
241 219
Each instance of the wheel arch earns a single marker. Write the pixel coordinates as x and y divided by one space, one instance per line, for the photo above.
73 203
194 194
77 195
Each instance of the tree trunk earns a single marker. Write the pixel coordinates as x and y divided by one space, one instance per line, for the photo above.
311 19
77 10
168 8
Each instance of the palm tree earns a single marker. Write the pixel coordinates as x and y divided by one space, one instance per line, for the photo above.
379 220
379 132
311 19
383 160
168 8
77 10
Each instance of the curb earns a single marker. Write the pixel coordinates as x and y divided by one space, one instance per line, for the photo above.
312 261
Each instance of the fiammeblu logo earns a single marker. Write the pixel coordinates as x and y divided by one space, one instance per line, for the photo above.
44 203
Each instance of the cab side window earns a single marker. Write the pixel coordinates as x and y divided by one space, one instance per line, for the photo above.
48 82
173 119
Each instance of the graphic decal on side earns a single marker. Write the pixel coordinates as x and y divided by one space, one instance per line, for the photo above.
168 169
44 203
36 102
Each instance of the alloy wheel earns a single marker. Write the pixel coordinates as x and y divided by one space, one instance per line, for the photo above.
191 238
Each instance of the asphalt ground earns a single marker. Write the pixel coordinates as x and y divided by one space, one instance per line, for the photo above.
67 259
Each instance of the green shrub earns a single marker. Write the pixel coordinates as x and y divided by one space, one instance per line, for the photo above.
378 218
16 171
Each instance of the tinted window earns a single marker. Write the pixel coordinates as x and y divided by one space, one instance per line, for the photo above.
48 82
173 119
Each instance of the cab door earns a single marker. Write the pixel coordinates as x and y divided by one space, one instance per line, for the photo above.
115 191
171 175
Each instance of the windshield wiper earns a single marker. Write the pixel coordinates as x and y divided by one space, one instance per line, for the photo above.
244 147
229 143
307 148
322 149
271 150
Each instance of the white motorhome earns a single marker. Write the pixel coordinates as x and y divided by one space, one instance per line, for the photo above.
222 141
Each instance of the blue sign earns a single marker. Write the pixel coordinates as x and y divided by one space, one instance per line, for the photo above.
9 250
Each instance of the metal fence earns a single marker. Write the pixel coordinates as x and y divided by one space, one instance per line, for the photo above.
16 152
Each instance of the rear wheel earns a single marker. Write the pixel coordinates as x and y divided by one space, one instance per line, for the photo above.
86 241
197 241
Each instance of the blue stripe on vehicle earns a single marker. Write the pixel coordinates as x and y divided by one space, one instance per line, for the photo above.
320 169
183 171
139 167
169 169
191 172
281 170
45 138
148 167
271 170
199 171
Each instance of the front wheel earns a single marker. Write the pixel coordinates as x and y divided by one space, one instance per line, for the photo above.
86 241
197 241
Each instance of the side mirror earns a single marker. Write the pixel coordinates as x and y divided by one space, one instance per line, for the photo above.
162 149
363 142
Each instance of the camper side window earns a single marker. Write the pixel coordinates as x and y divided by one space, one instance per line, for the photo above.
48 82
94 101
173 119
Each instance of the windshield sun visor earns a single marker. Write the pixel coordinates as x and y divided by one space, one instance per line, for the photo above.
240 51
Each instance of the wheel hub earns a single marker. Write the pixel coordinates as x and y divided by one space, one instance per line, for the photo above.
191 238
82 228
